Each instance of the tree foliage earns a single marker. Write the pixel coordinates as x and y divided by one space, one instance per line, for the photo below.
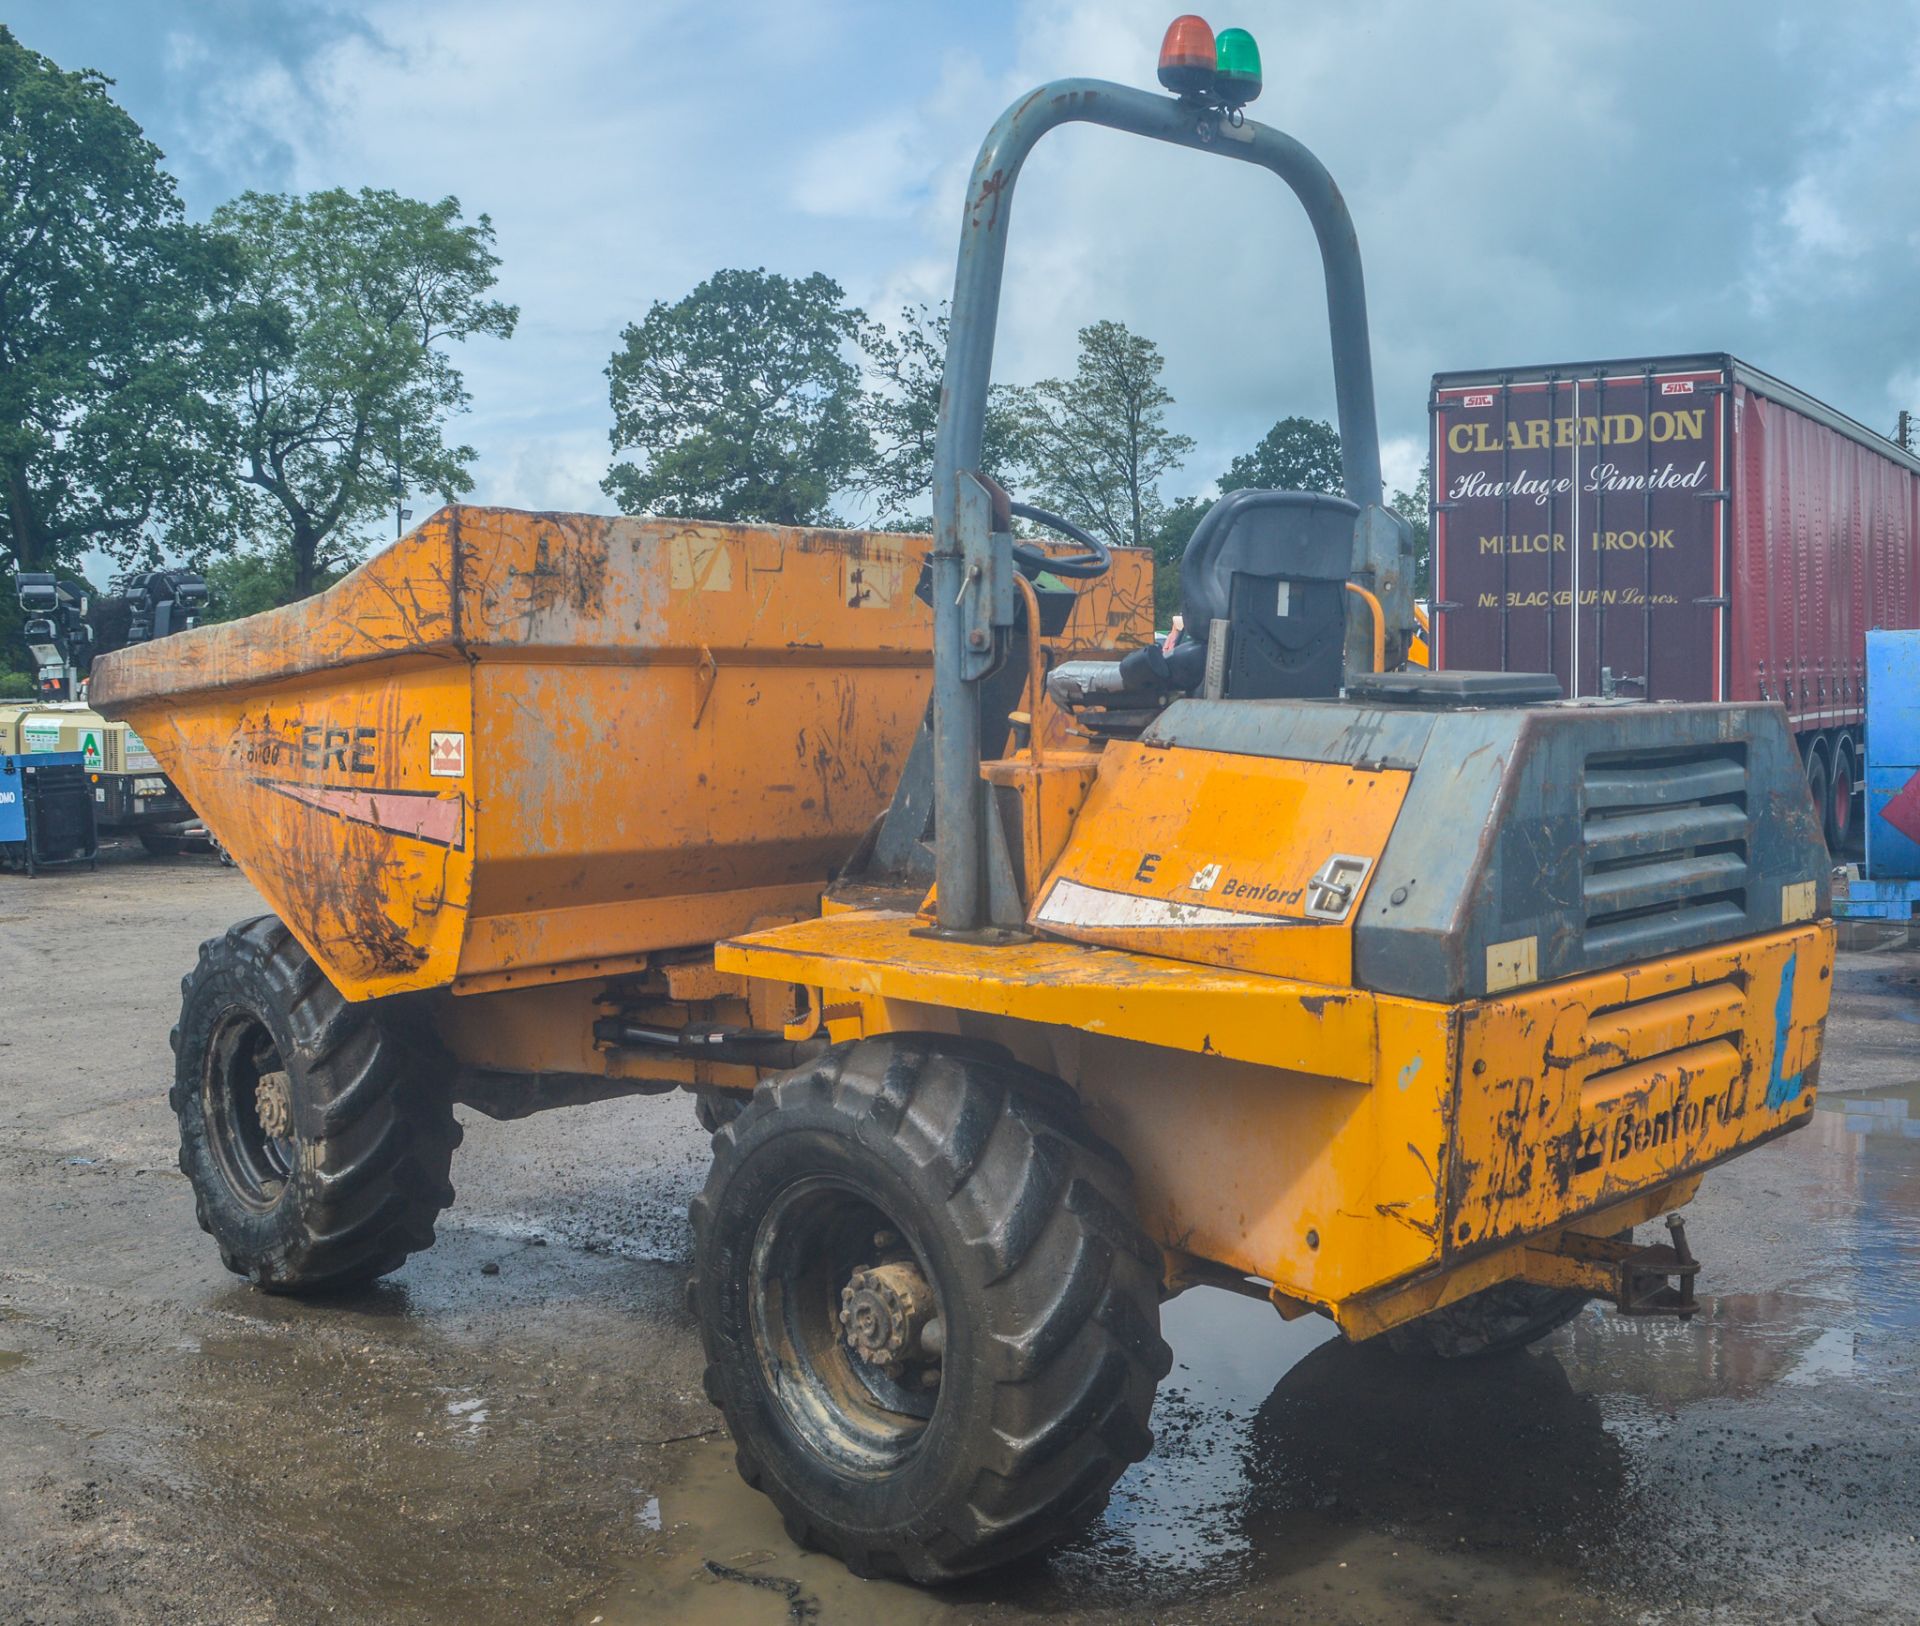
1096 445
106 296
1412 507
1169 542
1296 454
340 334
245 583
908 364
743 401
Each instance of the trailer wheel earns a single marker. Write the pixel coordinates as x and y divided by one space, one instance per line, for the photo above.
929 1317
1819 783
1494 1321
317 1144
1838 811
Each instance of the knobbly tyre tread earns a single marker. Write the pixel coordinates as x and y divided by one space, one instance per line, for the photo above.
376 1131
1067 1286
713 1106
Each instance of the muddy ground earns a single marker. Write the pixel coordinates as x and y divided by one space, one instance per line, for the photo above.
531 1445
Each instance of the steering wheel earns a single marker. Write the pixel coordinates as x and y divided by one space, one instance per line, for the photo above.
1096 561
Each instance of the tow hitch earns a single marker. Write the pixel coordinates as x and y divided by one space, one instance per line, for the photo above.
1651 1279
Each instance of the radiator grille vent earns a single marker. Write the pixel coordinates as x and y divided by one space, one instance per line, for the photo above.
1664 860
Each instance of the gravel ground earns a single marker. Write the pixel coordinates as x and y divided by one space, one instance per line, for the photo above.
464 1445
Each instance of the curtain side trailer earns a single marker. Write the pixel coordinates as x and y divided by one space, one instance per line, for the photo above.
1674 528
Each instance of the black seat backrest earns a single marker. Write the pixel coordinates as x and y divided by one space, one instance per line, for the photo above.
1274 564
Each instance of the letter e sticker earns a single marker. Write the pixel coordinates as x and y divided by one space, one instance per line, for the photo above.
447 755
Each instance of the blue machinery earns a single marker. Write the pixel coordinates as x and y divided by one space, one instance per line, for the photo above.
46 811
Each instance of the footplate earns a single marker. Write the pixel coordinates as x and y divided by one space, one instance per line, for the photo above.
1651 1279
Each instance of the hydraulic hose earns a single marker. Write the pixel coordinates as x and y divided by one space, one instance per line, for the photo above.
739 1047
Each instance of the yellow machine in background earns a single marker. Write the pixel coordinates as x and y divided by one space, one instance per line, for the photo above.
1260 962
131 796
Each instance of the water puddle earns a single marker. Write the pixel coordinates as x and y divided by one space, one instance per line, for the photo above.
467 1416
722 1558
1840 1212
1599 1470
1174 1518
1291 1470
1173 1529
1892 1110
479 1447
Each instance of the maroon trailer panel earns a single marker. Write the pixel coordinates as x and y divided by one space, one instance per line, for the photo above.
1580 527
1723 535
1675 528
1826 533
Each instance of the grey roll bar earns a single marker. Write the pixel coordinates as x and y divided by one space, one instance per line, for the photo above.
960 859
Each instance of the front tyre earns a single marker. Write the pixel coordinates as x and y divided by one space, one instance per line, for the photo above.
929 1317
317 1142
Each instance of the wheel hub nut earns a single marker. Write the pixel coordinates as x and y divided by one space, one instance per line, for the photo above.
273 1104
883 1310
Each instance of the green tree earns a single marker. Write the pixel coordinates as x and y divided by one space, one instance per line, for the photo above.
340 336
743 401
246 583
1296 454
1097 445
1169 543
1412 507
15 660
106 294
907 364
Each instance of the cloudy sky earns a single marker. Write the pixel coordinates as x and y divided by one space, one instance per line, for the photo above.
1530 182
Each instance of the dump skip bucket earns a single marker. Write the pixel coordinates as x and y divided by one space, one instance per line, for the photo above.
523 745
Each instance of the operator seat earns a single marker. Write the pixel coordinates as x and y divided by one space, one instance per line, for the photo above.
1271 568
1273 565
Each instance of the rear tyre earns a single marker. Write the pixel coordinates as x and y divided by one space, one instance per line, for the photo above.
929 1317
316 1139
1493 1321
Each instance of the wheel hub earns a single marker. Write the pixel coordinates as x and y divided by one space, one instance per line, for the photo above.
273 1104
885 1311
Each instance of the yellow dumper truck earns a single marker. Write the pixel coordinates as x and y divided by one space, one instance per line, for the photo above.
1265 963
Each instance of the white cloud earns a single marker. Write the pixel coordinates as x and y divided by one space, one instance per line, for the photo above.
1529 183
872 172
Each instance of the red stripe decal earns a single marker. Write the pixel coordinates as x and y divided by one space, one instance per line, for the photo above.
421 814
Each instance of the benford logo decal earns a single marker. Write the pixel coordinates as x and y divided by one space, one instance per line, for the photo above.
1208 878
1635 1132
